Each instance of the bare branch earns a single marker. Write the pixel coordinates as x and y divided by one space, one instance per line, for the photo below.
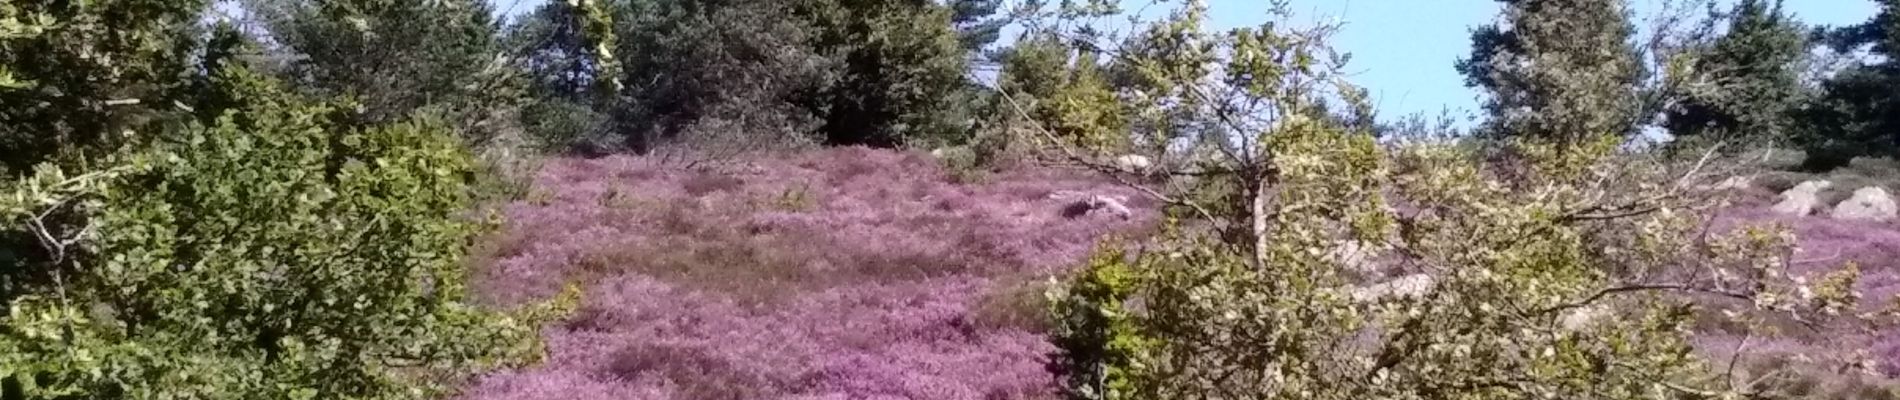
1106 169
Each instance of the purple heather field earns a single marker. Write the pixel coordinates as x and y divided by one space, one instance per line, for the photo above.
853 273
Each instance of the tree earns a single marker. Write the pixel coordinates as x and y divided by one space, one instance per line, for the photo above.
1857 114
878 73
974 22
1751 83
78 80
1064 90
1305 259
902 62
398 57
563 88
1557 69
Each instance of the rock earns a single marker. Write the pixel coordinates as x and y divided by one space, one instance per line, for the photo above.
1353 254
1735 183
1081 203
1133 163
1868 204
1802 199
1406 286
1581 318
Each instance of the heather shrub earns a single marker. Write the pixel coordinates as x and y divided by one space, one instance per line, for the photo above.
1017 303
889 280
274 253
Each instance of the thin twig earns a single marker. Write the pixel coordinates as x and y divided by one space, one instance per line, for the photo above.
1110 171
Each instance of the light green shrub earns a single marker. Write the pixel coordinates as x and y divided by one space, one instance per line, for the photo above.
1310 262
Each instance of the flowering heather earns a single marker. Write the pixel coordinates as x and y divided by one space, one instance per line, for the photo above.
837 274
1825 246
854 273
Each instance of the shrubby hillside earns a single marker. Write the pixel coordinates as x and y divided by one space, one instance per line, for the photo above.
862 273
884 199
839 273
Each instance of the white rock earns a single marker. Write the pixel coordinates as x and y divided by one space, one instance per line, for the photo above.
1352 254
1111 205
1581 318
1735 183
1134 163
1067 195
1802 199
1868 204
1088 203
1413 285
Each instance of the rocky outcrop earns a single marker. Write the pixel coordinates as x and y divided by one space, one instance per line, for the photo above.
1802 199
1868 204
1082 203
1406 286
1134 163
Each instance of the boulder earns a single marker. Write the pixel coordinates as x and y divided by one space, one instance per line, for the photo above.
1867 204
1133 163
1406 286
1082 203
1582 318
1353 254
1802 199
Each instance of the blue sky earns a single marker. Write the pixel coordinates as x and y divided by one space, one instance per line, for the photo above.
1403 50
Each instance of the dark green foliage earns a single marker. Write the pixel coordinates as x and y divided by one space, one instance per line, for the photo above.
693 62
1557 69
397 57
1065 90
1853 116
79 78
877 73
1102 346
1857 112
901 63
976 29
275 253
1749 77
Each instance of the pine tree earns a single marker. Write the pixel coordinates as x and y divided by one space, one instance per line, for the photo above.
1751 79
1557 69
975 26
396 57
1857 112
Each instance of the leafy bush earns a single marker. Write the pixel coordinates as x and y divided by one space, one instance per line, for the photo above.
1312 262
80 79
272 254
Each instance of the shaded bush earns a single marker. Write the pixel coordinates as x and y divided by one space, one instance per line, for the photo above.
75 79
276 253
880 73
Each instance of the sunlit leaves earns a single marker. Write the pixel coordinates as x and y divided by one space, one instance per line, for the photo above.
271 254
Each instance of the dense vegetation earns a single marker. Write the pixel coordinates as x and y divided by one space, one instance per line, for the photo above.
298 199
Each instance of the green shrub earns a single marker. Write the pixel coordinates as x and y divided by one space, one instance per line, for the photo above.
271 254
1312 262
